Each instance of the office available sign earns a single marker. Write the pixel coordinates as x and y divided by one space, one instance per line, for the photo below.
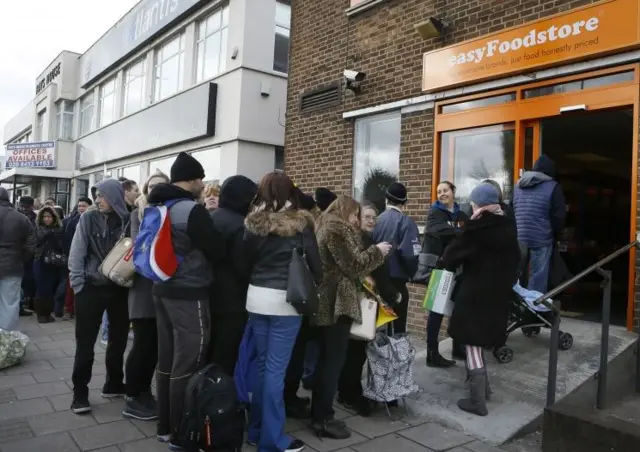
597 29
41 154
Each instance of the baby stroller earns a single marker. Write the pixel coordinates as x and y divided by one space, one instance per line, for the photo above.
523 314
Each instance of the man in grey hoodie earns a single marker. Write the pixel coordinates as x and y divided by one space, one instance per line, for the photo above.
97 232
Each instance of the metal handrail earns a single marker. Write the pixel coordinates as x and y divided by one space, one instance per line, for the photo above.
601 400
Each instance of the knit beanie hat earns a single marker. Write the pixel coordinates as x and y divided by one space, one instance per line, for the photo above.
484 195
27 201
396 192
306 200
324 198
186 168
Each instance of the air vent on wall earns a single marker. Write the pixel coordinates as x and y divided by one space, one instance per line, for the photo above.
321 98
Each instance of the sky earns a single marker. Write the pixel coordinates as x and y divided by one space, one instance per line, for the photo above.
34 32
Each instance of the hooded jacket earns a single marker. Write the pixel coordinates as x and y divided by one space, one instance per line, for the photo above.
194 240
539 205
95 236
17 238
229 293
48 238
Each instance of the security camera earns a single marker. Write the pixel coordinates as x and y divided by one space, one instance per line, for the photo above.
354 76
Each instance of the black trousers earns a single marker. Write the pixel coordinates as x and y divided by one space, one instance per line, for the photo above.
350 383
334 341
295 369
143 357
184 330
401 309
91 303
227 330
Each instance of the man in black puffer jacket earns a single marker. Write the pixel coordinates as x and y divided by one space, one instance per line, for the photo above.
229 291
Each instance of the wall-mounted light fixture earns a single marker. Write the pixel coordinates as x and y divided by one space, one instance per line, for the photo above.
571 108
431 28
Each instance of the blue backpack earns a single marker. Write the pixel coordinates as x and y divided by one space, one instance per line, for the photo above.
153 254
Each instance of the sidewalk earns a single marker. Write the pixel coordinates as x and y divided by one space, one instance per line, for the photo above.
35 398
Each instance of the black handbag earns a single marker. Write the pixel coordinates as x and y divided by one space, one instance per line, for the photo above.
57 259
302 292
426 263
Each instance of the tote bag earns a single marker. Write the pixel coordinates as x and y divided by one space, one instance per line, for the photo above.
367 329
439 290
302 292
118 265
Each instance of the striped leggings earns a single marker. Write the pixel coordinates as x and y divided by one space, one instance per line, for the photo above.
475 357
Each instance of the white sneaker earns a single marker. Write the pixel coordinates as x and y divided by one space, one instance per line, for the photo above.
104 342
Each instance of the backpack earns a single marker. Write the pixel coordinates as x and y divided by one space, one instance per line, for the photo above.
153 254
212 419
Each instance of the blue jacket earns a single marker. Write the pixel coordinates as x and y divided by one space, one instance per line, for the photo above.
400 231
537 212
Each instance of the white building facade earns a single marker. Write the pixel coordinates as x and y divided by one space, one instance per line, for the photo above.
208 77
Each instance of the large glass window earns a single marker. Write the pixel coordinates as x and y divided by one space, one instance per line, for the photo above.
107 103
86 114
376 157
131 173
467 157
283 30
169 65
163 165
64 120
211 46
40 125
210 161
134 78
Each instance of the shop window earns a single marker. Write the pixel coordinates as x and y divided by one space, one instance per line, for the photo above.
131 172
40 125
579 85
210 161
162 165
282 34
279 158
211 47
82 188
478 103
376 156
64 120
134 79
169 68
107 103
86 114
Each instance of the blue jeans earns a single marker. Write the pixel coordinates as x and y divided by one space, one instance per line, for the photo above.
539 262
105 326
275 338
9 302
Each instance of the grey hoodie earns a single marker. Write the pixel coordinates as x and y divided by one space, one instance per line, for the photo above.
96 235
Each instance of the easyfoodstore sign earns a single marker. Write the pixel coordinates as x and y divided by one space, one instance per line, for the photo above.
597 29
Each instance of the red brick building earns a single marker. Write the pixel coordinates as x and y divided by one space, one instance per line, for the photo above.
472 89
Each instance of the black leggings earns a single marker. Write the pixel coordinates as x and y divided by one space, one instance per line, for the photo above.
350 384
142 360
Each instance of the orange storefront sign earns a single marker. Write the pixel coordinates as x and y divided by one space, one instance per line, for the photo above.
597 29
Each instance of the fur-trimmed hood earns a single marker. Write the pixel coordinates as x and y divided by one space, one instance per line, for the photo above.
57 222
285 223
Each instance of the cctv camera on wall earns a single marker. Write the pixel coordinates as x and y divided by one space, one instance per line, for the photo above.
353 79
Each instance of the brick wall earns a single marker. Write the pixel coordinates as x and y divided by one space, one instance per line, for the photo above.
382 43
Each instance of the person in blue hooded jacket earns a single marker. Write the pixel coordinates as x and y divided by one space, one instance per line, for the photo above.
398 229
540 211
444 223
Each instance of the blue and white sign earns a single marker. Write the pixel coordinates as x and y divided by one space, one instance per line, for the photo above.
144 20
41 154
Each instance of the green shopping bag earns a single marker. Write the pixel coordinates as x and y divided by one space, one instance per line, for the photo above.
438 295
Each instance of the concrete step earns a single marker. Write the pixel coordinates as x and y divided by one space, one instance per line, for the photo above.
520 386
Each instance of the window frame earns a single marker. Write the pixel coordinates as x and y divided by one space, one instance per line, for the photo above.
282 27
127 81
39 124
101 98
158 64
223 33
90 98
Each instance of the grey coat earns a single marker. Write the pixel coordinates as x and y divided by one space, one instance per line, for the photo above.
17 240
141 304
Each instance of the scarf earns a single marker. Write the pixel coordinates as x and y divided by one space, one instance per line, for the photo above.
491 208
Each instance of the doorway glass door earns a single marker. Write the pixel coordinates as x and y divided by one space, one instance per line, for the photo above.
467 157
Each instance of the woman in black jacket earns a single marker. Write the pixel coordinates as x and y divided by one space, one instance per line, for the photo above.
350 384
444 222
48 261
489 254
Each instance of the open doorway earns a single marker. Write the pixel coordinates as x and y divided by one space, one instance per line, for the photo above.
593 154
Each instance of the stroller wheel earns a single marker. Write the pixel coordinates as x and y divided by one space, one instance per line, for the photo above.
503 354
536 330
565 341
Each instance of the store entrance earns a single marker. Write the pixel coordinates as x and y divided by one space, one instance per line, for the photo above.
593 152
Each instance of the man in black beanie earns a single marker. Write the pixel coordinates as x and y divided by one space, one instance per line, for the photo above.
182 302
395 227
324 198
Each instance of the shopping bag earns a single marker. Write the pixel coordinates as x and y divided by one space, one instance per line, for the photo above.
385 315
439 290
367 329
13 346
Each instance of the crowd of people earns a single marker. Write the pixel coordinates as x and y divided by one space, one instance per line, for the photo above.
236 244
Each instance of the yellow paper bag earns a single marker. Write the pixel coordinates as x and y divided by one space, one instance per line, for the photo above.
385 315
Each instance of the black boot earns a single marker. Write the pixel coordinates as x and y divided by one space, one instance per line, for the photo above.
458 351
41 308
298 407
435 359
331 429
476 403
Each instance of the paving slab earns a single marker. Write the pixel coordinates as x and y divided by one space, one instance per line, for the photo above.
57 344
436 437
27 367
148 428
41 390
327 445
374 426
14 430
388 443
38 355
14 381
7 395
58 442
24 408
61 421
62 402
48 376
104 435
62 363
145 445
108 412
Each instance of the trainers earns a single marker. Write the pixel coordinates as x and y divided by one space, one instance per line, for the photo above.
112 390
164 438
80 405
175 447
142 408
295 446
